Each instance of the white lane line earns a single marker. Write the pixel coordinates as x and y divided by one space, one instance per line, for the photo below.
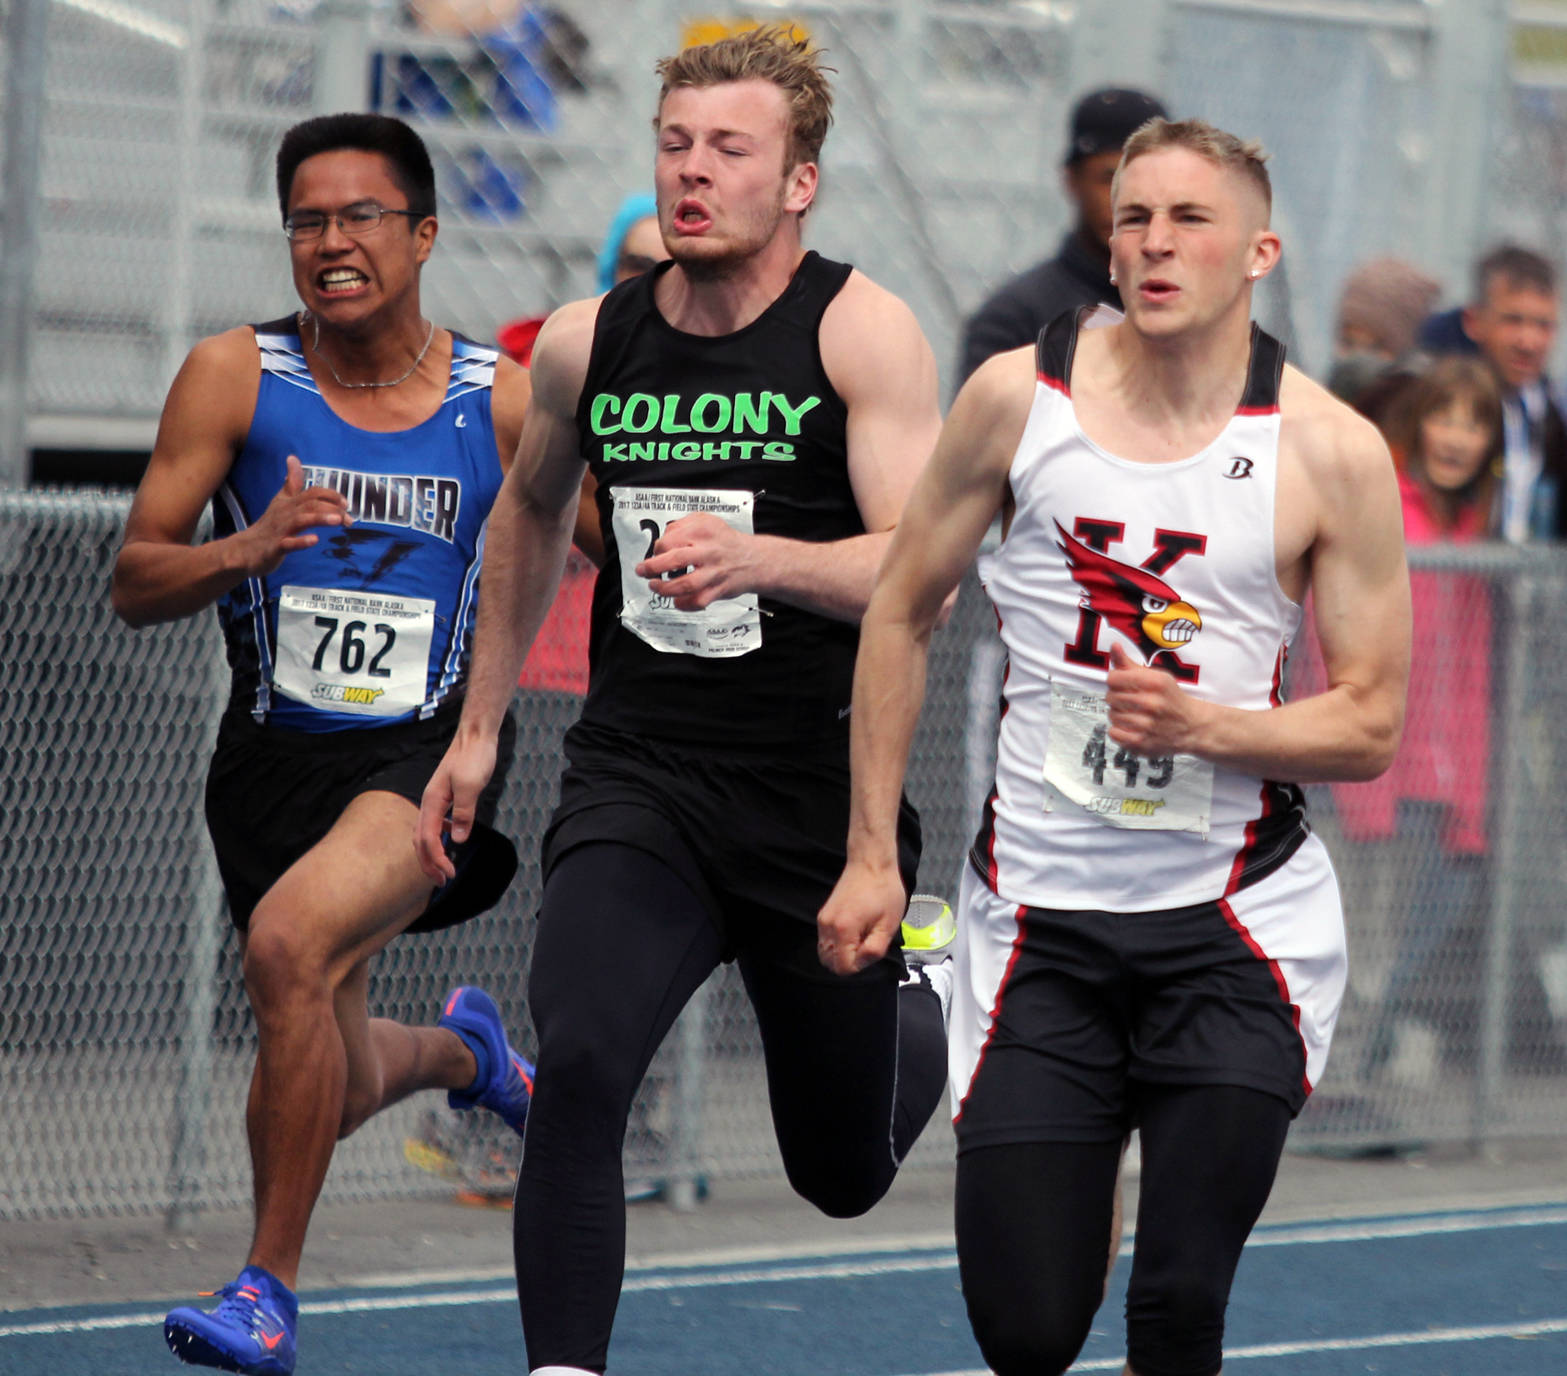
1423 1225
1425 1337
944 1259
670 1261
436 1300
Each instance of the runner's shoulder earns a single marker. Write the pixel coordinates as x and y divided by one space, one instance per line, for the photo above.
869 335
559 366
1329 438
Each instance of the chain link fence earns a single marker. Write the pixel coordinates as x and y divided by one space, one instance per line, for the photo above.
143 216
126 1045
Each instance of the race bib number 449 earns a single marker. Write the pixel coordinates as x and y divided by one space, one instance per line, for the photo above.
1118 786
363 653
729 626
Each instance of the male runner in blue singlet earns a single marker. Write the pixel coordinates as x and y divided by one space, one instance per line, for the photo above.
754 416
351 453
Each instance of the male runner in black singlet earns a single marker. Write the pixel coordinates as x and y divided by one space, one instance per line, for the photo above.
755 417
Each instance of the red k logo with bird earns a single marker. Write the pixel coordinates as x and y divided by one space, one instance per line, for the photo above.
1136 601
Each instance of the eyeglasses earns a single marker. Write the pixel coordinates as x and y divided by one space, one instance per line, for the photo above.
354 220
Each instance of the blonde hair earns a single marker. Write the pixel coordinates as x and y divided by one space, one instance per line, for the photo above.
1244 156
772 53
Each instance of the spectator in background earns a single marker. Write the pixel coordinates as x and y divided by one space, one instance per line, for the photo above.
1429 809
1079 274
633 244
1511 323
1380 309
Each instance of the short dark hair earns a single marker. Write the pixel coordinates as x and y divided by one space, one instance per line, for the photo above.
1517 266
407 158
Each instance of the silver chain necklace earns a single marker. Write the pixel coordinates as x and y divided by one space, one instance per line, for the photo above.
357 386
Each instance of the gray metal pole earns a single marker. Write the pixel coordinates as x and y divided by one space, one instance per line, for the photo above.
204 934
1469 76
685 1166
26 35
343 57
188 1158
1508 887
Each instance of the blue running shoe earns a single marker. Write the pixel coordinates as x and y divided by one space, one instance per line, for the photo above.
504 1083
251 1331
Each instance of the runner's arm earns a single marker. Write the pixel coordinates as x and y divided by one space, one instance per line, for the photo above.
881 366
588 537
530 530
509 398
1360 588
159 575
957 497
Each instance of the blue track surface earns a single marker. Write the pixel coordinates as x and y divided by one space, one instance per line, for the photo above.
1472 1294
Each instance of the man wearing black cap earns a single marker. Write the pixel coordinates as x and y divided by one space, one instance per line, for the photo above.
1079 274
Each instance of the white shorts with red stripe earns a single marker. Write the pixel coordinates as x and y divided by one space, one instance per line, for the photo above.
1058 1016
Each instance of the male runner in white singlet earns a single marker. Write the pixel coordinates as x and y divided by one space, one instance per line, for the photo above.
1150 934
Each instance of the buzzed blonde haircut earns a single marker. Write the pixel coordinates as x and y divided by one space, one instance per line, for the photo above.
1243 156
772 53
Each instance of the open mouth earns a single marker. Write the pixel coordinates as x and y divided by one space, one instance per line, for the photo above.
691 217
337 281
1157 289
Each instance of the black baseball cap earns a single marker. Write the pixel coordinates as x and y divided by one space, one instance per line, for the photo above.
1103 120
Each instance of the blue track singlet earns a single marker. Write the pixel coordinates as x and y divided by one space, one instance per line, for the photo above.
373 624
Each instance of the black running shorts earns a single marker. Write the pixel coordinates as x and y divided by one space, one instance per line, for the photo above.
1058 1017
272 794
762 831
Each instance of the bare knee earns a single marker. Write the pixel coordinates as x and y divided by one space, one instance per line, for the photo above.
282 967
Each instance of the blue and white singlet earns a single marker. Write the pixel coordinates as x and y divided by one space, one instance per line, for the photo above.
372 625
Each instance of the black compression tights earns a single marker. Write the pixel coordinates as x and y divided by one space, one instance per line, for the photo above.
854 1069
1033 1228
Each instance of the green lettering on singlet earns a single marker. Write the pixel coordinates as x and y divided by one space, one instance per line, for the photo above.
604 401
792 414
639 413
669 422
708 401
711 413
751 414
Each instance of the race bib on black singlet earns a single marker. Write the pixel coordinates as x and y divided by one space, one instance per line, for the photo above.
1118 786
358 652
730 626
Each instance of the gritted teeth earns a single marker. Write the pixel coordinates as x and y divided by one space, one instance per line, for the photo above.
339 278
1180 631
